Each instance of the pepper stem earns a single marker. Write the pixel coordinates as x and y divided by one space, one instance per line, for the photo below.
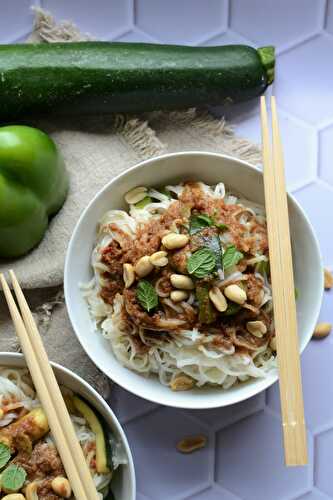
267 57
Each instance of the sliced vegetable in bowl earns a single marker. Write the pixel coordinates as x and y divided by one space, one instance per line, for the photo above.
29 461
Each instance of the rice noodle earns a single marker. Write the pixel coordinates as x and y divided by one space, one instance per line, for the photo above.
183 351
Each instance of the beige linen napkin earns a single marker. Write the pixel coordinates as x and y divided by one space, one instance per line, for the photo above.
95 150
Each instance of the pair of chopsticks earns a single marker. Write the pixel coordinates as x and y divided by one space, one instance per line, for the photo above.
294 431
49 394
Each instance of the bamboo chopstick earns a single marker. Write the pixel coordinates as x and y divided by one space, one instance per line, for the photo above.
49 393
294 430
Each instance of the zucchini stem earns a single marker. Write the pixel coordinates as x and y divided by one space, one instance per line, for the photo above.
267 57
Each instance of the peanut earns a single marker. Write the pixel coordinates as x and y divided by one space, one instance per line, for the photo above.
159 259
181 281
182 382
143 266
61 487
257 328
218 299
272 343
172 241
178 295
328 279
128 275
235 293
322 330
135 195
192 443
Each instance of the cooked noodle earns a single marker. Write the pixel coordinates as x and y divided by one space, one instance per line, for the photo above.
222 354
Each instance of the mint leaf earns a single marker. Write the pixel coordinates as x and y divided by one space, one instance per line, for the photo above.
231 256
200 221
201 263
12 478
146 295
4 454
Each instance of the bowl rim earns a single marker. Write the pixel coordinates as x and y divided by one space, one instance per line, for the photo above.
265 383
12 356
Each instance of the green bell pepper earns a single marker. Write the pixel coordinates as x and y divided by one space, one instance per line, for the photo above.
33 186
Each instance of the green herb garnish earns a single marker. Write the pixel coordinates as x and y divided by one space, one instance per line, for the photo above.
296 293
146 200
201 262
232 309
222 227
12 478
166 192
207 312
4 454
262 267
146 295
200 221
231 256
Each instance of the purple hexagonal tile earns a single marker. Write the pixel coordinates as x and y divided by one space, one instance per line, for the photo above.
303 72
316 366
181 22
226 38
135 36
16 19
299 146
314 495
325 154
315 199
153 440
141 497
214 493
324 460
219 418
254 446
278 23
128 406
101 19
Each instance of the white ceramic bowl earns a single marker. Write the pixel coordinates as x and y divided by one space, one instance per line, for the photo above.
210 168
123 484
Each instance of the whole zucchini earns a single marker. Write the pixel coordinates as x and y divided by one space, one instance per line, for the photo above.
125 77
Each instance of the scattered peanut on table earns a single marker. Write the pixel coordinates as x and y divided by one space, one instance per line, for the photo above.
322 330
328 279
192 443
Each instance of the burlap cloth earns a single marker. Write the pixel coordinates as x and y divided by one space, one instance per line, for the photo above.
95 150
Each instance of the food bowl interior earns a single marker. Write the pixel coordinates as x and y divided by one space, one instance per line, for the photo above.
123 483
210 168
